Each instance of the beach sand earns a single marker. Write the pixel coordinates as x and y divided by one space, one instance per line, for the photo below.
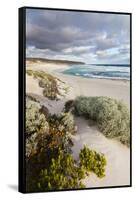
118 155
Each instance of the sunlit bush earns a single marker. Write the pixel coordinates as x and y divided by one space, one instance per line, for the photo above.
66 173
92 161
63 173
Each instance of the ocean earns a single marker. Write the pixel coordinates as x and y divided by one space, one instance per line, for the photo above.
100 71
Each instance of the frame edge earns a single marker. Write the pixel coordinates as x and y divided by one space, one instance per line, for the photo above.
21 93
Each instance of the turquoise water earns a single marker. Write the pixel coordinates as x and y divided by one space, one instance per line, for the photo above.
100 71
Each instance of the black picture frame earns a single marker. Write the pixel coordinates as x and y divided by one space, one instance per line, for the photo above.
22 89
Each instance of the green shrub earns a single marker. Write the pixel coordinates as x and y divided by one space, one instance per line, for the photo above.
53 87
48 82
111 116
35 120
67 119
50 88
69 106
29 72
44 131
31 97
61 128
92 161
36 127
63 173
125 139
50 92
42 83
44 110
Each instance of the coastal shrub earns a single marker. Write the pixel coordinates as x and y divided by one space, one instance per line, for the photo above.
125 139
42 83
63 121
90 160
31 97
36 127
44 110
50 88
63 173
51 92
35 120
29 72
111 116
66 173
61 128
69 106
67 119
45 131
49 83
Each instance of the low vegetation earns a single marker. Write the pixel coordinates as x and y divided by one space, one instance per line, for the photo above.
92 161
37 127
61 128
63 173
51 130
69 106
49 161
50 84
111 116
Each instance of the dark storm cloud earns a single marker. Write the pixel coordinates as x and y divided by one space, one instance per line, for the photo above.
75 34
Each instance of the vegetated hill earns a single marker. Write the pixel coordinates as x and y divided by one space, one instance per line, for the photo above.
53 61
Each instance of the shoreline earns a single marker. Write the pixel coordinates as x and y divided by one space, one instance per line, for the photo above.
124 80
117 89
93 78
60 68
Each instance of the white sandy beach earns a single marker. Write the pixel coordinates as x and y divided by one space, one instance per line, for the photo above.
118 156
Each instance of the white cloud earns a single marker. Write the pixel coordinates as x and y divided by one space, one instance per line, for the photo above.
79 49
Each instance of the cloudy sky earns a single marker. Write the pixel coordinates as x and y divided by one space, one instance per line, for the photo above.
88 37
